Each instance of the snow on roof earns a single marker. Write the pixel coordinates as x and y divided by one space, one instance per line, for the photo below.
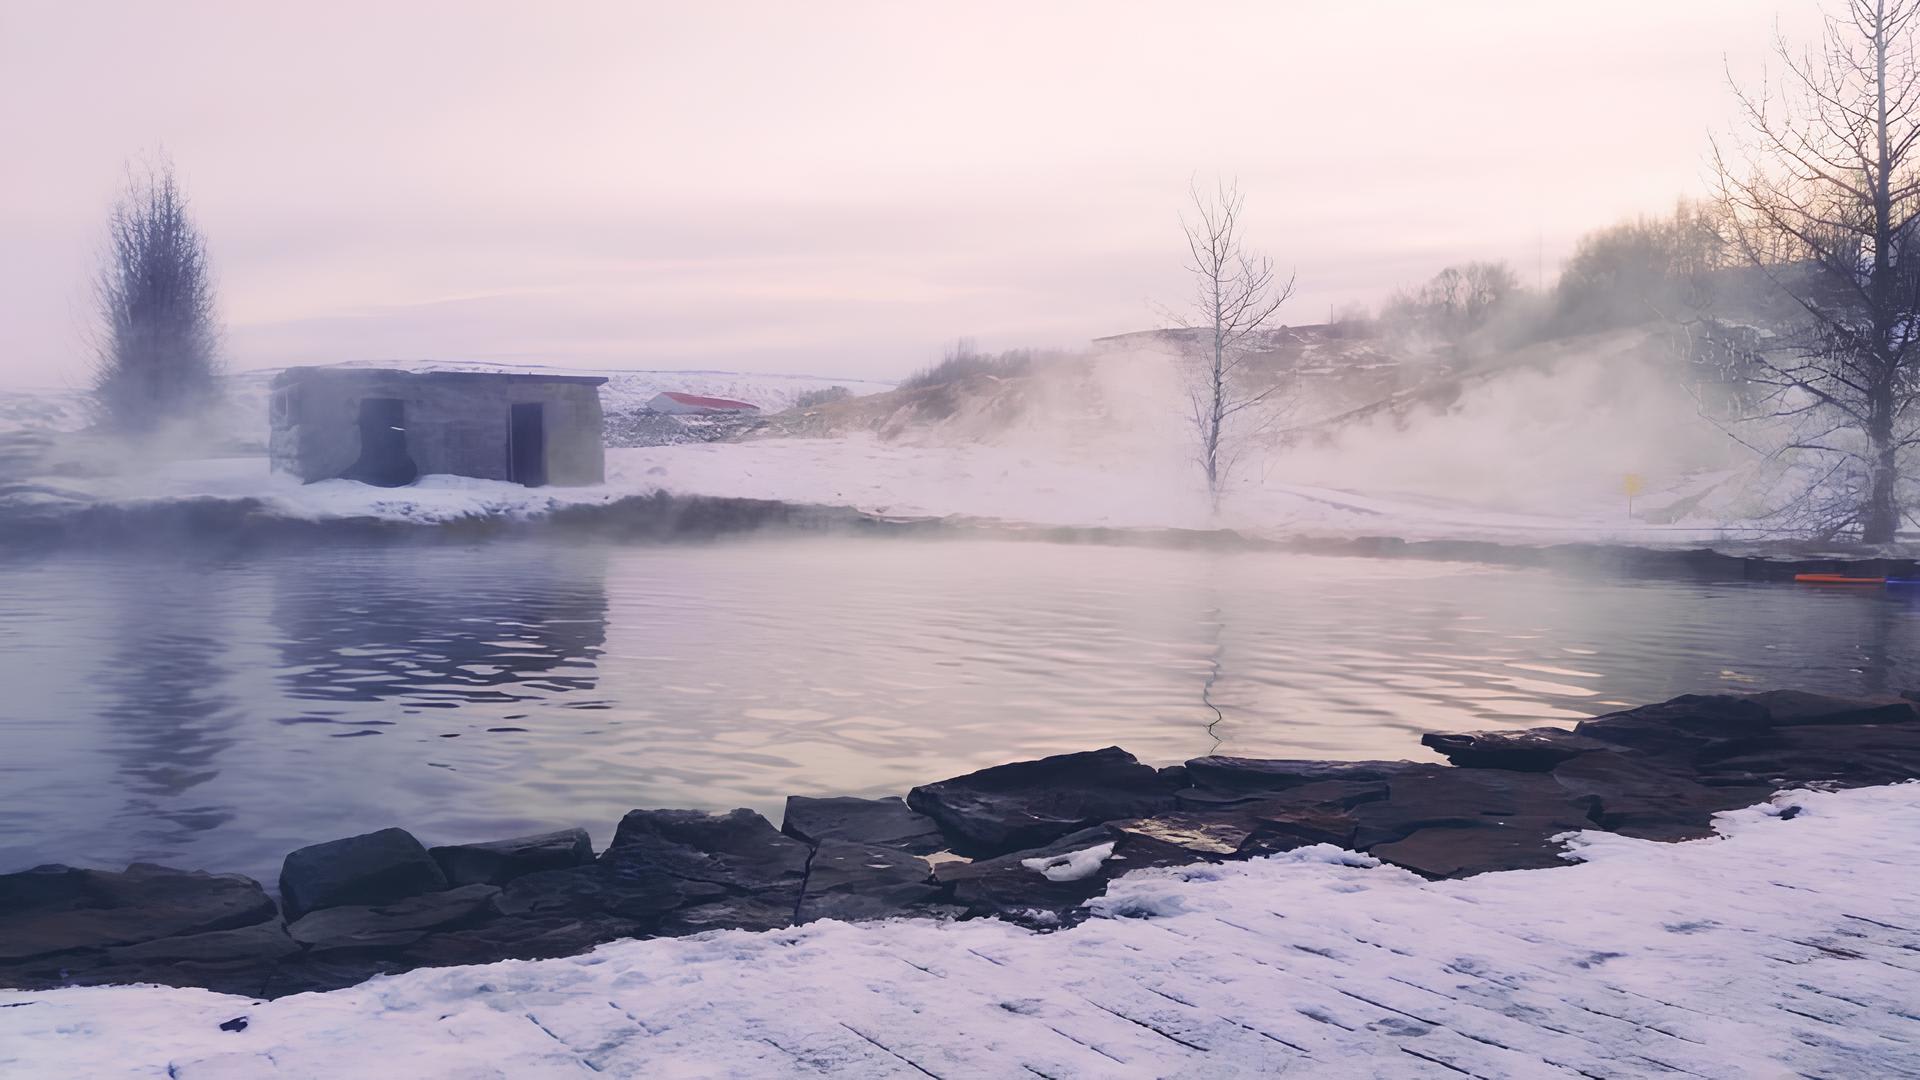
355 371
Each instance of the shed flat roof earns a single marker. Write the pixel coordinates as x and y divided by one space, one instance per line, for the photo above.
326 371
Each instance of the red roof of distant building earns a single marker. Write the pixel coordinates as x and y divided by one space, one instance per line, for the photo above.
700 402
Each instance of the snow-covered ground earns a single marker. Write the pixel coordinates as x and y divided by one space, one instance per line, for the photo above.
1164 491
900 479
1787 947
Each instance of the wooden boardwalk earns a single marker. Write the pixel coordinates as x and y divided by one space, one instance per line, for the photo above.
1791 948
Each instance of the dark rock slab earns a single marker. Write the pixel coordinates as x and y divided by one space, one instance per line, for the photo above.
238 961
1528 750
635 896
1795 708
1246 829
1636 796
1519 843
261 943
386 926
857 882
54 909
1268 776
752 911
1016 887
885 822
1285 825
500 861
1342 794
1441 796
1028 803
1698 727
1681 727
1006 887
331 969
513 938
1852 755
375 868
552 913
738 850
1447 822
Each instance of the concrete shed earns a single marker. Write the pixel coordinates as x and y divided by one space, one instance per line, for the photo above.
389 427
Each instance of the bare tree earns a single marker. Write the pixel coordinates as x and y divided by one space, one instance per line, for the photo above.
157 353
1819 196
1236 296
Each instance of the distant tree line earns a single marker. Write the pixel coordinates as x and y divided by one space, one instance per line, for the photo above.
1639 271
1457 302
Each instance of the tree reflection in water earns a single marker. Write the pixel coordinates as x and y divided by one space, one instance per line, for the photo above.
166 714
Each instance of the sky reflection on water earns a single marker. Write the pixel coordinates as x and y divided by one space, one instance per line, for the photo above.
216 714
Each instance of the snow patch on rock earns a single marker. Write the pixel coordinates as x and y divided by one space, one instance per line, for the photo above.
1072 866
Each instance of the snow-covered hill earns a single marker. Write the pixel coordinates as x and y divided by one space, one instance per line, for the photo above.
44 410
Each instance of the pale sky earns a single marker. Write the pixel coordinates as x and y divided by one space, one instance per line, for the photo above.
822 187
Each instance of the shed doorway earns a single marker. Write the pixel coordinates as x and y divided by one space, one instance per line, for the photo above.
384 460
527 445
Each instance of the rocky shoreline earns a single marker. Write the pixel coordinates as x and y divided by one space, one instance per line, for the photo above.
239 524
1028 842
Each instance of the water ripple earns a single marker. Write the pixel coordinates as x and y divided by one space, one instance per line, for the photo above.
217 713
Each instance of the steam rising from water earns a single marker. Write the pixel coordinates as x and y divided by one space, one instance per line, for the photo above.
1559 436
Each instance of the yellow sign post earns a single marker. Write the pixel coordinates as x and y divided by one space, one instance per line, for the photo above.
1633 484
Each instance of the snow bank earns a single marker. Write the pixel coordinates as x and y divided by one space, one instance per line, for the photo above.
433 500
861 472
1090 489
1787 947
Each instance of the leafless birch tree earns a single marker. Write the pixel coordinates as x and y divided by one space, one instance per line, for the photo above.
157 352
1236 296
1819 195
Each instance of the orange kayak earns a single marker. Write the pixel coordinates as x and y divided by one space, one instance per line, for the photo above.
1838 579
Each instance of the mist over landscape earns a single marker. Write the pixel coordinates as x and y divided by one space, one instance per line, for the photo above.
626 235
1081 540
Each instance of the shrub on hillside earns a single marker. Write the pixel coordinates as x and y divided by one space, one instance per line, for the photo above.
826 395
964 360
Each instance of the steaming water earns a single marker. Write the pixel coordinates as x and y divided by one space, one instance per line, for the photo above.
219 713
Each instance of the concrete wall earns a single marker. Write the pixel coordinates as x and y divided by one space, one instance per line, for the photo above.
456 422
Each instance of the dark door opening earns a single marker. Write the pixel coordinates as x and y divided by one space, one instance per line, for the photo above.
383 445
527 445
